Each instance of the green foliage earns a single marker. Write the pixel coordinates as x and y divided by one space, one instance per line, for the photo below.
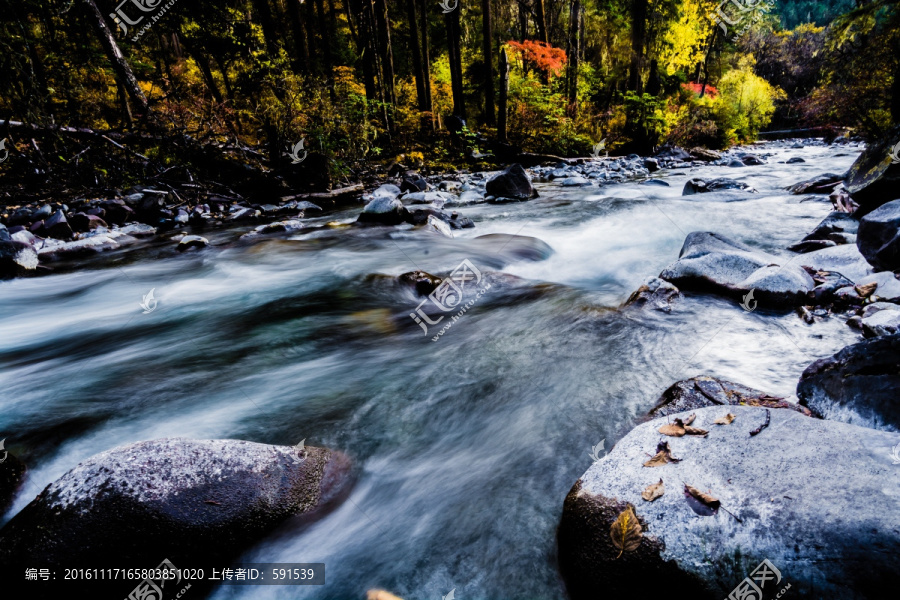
746 102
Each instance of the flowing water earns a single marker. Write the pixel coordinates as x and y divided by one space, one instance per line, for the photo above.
465 447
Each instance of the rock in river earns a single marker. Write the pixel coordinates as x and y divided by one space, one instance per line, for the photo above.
857 385
384 211
656 294
878 238
703 391
513 184
701 186
196 502
874 178
817 498
710 261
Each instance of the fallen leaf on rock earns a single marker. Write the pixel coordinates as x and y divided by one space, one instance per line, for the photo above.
690 419
696 431
702 504
663 456
653 491
626 531
726 420
675 429
866 290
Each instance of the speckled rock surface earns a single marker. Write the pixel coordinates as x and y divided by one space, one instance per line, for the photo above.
703 391
819 499
195 502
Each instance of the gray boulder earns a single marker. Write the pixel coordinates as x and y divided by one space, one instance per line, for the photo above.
709 261
844 259
858 385
58 227
821 184
656 294
882 322
878 238
824 234
12 472
513 183
16 258
702 186
874 178
195 502
887 288
817 498
384 211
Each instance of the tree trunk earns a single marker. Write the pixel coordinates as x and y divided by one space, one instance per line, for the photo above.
270 34
301 51
573 50
384 49
416 53
456 83
522 13
325 37
895 93
315 61
541 21
426 62
487 34
638 42
121 68
504 92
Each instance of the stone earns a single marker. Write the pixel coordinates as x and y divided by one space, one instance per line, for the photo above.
16 258
794 160
751 160
58 227
821 184
384 211
194 502
857 385
705 155
655 293
82 222
423 283
709 261
874 179
883 322
12 474
814 497
844 259
878 238
192 241
465 198
651 164
703 391
512 183
701 186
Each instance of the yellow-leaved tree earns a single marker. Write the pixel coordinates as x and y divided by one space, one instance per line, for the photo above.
684 43
746 101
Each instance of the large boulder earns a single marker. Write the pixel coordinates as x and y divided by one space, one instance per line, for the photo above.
816 498
196 502
513 183
12 471
384 211
821 184
874 178
16 258
709 261
703 391
858 385
878 238
844 259
836 228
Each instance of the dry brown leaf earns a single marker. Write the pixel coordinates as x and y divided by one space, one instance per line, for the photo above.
663 456
626 532
675 429
690 419
653 491
702 504
381 595
696 431
726 420
866 290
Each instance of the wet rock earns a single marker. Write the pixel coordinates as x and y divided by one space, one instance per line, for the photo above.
874 179
574 182
305 207
384 211
16 258
42 214
467 197
794 160
423 283
821 184
703 391
736 163
814 497
513 184
857 385
882 322
195 502
116 212
436 198
887 289
878 238
700 186
21 216
413 184
752 160
844 259
288 226
388 190
192 241
705 155
709 261
811 246
420 216
82 222
58 227
518 246
12 472
818 238
673 153
450 186
655 182
438 226
656 294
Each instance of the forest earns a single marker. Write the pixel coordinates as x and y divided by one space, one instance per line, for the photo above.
358 83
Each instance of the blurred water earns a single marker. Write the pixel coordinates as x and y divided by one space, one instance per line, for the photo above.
465 447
